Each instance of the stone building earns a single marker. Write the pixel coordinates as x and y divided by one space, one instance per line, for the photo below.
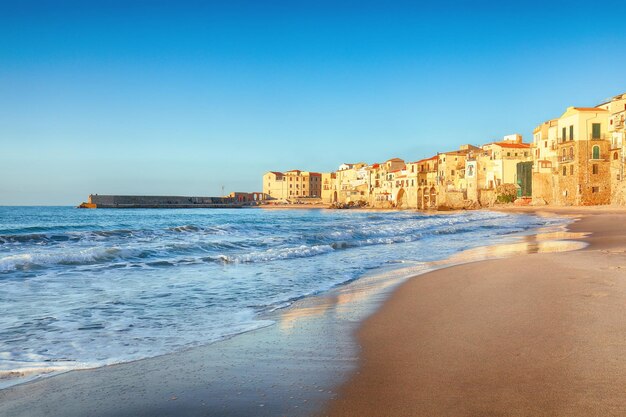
292 185
427 176
384 191
616 107
451 182
544 150
584 157
500 159
329 187
352 183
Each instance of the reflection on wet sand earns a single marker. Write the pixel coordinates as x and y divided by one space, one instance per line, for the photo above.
370 290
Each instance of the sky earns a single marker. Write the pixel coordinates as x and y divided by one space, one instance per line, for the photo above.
192 97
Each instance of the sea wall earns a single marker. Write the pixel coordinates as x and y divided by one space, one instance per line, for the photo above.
146 201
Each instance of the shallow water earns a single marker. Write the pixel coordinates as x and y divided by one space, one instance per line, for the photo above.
84 288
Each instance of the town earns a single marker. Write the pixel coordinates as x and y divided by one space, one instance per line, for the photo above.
576 159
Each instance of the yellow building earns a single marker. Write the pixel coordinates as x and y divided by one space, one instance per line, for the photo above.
616 107
382 177
292 185
404 186
544 146
544 150
584 162
352 183
498 161
581 174
329 187
427 183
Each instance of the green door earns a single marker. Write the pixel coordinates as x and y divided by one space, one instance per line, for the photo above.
525 179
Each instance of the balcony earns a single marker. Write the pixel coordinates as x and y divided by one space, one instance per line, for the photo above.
566 158
602 136
602 157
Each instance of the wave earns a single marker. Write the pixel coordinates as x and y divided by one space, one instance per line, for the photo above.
27 261
189 245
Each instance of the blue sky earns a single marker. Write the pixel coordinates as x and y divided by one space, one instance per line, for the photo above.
186 97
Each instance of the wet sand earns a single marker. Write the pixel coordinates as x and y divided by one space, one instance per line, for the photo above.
532 335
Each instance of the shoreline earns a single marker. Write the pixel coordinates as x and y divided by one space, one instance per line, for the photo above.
536 334
155 401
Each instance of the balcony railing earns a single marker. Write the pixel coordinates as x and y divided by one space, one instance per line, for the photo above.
566 158
601 136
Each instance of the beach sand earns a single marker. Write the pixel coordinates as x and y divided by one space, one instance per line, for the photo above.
531 335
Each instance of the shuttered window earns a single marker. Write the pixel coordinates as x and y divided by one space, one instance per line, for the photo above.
595 131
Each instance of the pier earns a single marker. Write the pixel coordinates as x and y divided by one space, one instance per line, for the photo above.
145 201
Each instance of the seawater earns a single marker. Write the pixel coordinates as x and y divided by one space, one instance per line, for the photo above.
86 288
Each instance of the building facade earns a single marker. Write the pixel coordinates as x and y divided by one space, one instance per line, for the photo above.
292 185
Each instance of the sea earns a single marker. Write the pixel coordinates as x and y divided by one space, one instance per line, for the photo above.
87 288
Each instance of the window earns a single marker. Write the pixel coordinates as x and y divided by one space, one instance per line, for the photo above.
564 171
594 168
564 134
595 189
452 172
595 152
571 132
615 156
508 154
571 169
595 131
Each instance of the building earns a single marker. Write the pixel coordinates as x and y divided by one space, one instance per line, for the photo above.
500 159
616 107
352 182
292 185
544 150
584 162
329 187
427 174
451 182
384 191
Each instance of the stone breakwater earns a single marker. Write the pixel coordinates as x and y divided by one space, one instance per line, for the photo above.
144 201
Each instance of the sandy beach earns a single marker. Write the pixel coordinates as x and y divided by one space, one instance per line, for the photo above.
532 335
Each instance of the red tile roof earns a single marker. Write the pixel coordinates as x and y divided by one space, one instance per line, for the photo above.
428 159
594 109
512 145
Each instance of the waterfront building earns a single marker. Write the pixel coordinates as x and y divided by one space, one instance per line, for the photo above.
427 182
616 107
451 182
544 150
500 160
292 185
404 185
383 178
329 187
584 161
352 182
